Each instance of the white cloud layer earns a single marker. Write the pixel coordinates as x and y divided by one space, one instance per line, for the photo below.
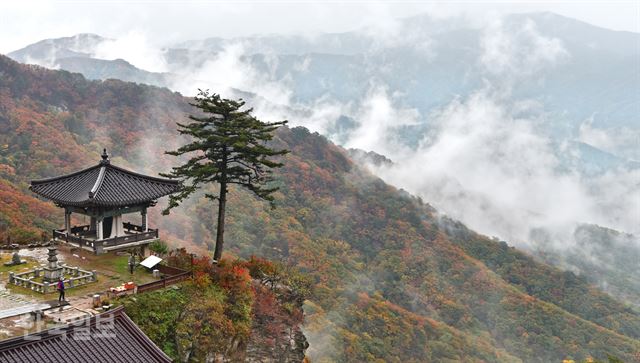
496 172
486 158
378 117
518 51
26 21
136 48
619 141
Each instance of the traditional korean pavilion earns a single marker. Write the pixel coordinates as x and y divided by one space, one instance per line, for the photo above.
104 193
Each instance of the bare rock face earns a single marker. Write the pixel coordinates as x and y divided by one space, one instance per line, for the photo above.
276 334
291 347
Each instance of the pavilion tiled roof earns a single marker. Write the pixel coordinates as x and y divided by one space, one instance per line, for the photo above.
104 185
108 337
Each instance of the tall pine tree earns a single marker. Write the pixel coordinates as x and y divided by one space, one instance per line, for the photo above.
229 146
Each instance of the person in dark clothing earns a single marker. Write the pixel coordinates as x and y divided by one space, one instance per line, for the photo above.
132 263
61 290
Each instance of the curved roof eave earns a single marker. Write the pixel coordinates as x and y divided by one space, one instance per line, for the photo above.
112 186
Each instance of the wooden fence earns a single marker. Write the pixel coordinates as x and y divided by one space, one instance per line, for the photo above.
170 276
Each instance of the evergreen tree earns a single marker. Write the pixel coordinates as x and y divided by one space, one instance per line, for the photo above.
228 147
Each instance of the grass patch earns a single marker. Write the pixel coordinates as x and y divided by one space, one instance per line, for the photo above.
112 270
7 257
115 268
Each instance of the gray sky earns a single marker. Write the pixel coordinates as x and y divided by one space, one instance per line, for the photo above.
24 22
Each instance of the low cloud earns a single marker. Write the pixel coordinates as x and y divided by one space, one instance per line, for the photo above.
518 49
229 71
485 158
618 141
135 47
483 164
378 117
49 61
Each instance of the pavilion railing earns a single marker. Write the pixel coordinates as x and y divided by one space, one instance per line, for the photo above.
132 227
78 234
79 240
82 230
135 237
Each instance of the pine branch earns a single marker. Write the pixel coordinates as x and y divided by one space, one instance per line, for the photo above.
229 145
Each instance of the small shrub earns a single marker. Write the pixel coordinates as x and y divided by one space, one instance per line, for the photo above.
159 247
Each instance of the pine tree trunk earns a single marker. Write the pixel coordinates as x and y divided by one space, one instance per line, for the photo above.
222 201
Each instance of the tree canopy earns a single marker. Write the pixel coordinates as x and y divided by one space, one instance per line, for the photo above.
229 146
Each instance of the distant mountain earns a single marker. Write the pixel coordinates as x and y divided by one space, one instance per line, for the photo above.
392 279
567 73
432 60
77 54
589 160
577 71
113 69
48 51
606 257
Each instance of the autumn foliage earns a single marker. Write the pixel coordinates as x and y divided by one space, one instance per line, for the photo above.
386 278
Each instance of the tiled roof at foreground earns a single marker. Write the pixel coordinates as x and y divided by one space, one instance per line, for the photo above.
103 185
109 337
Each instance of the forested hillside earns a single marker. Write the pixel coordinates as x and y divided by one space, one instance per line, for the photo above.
392 280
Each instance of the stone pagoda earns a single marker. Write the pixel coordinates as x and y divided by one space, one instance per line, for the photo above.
52 272
104 193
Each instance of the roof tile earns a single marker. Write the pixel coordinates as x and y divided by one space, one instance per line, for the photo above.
115 187
127 343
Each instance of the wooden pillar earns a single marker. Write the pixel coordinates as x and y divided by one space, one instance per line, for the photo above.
114 227
67 221
117 230
144 220
99 228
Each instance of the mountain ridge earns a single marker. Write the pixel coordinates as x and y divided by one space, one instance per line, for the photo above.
392 279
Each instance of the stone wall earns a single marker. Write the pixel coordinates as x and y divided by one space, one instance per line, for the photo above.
78 277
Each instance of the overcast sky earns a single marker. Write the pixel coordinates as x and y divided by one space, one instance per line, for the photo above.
24 22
